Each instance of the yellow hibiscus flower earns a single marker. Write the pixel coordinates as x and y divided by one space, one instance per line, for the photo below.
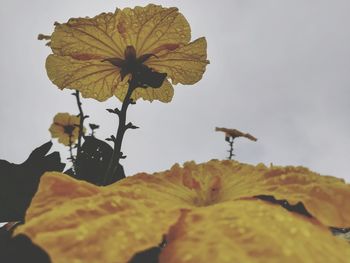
98 55
65 127
211 212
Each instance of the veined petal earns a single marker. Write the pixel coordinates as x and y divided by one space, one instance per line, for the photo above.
324 197
88 38
153 31
250 232
141 209
164 94
86 235
93 78
185 64
153 28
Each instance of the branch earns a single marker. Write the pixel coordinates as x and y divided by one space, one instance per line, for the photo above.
81 122
118 139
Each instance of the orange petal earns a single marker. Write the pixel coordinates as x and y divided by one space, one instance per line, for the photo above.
250 232
72 220
76 221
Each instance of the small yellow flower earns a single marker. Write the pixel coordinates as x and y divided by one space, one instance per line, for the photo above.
208 212
233 133
98 55
65 127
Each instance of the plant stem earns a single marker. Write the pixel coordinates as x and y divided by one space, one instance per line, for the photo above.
231 148
71 152
81 122
122 127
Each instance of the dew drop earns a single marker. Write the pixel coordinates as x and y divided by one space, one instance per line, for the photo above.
187 257
293 230
287 251
241 230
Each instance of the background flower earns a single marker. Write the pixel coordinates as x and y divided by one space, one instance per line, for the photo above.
83 49
65 127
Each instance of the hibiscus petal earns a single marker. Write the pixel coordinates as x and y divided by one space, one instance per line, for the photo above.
86 223
88 38
62 118
164 94
153 31
73 220
56 130
93 78
184 65
324 197
64 139
251 232
153 28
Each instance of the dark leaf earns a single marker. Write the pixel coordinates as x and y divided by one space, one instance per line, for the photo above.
146 77
131 126
297 208
19 182
148 256
94 126
92 162
111 139
20 249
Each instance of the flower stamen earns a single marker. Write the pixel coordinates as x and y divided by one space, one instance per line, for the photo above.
141 74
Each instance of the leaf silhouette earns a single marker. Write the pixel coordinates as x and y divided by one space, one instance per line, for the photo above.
19 182
93 161
20 249
150 256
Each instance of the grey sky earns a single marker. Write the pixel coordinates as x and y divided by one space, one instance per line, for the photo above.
279 70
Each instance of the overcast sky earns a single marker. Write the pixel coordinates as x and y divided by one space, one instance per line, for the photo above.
279 70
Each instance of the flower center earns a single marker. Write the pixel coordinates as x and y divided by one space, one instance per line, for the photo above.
68 129
141 75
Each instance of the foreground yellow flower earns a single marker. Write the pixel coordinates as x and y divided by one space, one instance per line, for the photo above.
208 213
65 127
97 55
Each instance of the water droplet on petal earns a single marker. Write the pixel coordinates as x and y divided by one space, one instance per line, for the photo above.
159 33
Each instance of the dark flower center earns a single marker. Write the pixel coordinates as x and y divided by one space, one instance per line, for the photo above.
68 129
142 75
